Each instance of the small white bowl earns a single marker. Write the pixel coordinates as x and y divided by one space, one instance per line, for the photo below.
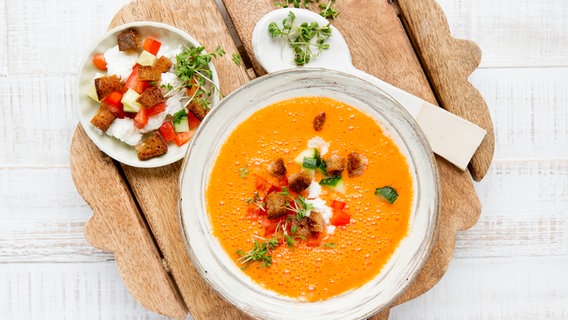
216 266
113 147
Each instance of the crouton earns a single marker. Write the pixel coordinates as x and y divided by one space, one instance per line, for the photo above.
299 182
356 164
303 228
163 64
276 205
307 226
316 222
319 120
152 147
149 73
335 164
151 97
107 84
198 111
129 40
277 168
103 119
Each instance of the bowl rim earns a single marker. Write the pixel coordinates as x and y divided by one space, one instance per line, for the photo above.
430 239
108 144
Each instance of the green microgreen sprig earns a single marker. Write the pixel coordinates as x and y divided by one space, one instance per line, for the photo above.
307 40
191 68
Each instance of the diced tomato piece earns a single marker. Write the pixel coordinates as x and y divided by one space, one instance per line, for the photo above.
273 188
157 109
337 205
99 61
151 45
340 218
183 137
255 211
114 99
167 131
133 82
193 121
130 115
270 225
313 242
261 184
141 119
113 104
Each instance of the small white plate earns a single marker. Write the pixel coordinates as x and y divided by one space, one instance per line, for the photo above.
113 147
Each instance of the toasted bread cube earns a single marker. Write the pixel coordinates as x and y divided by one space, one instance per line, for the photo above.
107 84
319 120
151 97
277 168
129 40
356 164
149 73
163 64
198 111
276 205
300 181
152 147
335 164
103 118
316 223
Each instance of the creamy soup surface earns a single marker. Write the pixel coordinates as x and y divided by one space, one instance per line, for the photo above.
331 238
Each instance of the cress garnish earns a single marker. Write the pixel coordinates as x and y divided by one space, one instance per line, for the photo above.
306 40
192 69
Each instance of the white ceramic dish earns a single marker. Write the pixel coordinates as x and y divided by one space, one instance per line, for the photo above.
116 149
226 277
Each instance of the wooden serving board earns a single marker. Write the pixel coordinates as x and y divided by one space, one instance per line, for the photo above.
406 43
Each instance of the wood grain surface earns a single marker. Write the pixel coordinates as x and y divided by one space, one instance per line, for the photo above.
448 63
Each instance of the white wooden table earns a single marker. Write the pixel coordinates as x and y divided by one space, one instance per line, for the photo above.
512 265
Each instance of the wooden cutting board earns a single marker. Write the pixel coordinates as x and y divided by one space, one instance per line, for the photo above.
406 43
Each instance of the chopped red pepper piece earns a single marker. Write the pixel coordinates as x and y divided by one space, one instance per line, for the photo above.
183 137
157 109
283 181
193 121
141 119
262 185
113 104
133 82
151 45
340 218
99 61
313 242
167 131
337 205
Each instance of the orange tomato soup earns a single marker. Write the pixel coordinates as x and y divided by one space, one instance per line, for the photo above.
354 253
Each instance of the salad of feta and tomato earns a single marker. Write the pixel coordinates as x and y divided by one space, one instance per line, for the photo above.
151 95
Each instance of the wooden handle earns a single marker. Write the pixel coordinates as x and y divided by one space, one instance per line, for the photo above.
141 268
448 62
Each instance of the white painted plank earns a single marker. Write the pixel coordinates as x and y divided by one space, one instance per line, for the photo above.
66 291
42 218
486 289
38 119
3 41
513 33
528 108
47 37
